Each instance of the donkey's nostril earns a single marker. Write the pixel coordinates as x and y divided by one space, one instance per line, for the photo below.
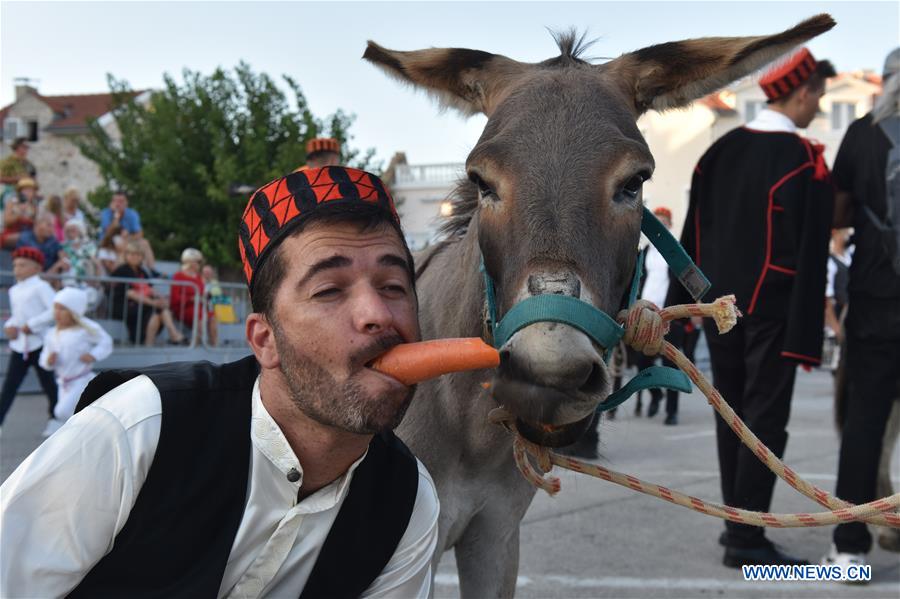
596 380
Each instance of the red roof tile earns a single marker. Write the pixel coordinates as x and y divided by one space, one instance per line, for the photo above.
73 112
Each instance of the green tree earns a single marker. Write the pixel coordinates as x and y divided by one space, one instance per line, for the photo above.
181 155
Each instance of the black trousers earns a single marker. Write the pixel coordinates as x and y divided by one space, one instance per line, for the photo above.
757 383
15 374
873 370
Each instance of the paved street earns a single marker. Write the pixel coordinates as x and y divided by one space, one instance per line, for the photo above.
596 539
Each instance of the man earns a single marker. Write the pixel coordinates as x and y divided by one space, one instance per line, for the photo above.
16 165
119 214
323 151
42 238
872 327
758 225
275 475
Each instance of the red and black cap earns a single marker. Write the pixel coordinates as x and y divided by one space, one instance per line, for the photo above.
323 144
31 253
276 208
783 79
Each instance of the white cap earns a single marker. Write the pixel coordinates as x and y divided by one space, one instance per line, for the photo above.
73 299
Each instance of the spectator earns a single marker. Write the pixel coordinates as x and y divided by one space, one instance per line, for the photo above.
768 245
143 309
31 307
71 203
19 213
111 252
119 214
79 251
183 298
16 166
71 348
54 206
42 238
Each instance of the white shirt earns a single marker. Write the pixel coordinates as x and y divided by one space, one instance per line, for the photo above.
70 344
31 303
63 506
656 285
770 121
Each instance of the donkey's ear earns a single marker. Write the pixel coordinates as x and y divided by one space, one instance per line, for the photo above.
677 73
471 81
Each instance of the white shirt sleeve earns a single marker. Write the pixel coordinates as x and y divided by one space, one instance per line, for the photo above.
103 344
48 348
408 573
40 322
64 505
832 273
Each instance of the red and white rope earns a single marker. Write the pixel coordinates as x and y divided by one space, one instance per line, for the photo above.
645 327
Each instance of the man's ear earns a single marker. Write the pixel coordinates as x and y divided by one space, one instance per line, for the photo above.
261 339
470 81
674 74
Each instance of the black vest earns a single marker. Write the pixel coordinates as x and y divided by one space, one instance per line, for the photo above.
178 536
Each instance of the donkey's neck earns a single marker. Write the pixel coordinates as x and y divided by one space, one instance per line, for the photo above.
451 290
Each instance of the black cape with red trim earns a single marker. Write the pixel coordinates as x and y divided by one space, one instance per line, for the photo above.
758 225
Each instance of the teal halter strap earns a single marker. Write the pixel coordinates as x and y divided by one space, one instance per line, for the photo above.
597 325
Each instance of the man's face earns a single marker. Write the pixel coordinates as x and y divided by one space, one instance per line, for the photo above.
22 150
119 202
345 299
809 98
324 159
43 228
24 268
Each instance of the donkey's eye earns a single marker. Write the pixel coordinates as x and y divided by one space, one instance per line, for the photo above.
484 190
632 187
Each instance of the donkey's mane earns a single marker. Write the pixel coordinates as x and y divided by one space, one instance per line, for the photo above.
464 196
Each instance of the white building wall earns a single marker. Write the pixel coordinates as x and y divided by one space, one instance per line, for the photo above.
420 190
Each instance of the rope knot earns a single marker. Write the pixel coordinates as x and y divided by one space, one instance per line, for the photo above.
725 313
645 328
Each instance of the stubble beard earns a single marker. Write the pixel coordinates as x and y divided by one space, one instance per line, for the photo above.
344 405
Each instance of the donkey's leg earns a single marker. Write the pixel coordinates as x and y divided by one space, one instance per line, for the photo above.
487 555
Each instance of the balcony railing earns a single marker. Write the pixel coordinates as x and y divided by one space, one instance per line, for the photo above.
423 174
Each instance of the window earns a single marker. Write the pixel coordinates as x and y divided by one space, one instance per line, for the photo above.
753 108
842 114
32 131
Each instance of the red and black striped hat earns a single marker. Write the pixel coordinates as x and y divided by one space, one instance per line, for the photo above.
323 144
278 207
32 253
787 77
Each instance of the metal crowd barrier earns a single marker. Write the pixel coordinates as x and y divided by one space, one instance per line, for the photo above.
114 317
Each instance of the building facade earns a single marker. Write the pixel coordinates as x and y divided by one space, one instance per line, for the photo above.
422 193
53 125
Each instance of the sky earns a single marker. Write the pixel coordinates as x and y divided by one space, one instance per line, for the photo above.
69 47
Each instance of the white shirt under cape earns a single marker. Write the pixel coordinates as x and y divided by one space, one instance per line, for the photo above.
63 506
656 285
771 121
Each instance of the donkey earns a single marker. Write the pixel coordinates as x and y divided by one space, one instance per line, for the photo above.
552 204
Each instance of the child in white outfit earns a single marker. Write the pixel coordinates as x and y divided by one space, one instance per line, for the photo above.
31 304
72 347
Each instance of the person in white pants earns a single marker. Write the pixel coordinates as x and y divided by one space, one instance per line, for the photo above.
71 348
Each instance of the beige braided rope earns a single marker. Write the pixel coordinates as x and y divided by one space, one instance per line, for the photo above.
645 327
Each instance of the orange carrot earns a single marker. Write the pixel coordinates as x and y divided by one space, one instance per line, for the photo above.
411 363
